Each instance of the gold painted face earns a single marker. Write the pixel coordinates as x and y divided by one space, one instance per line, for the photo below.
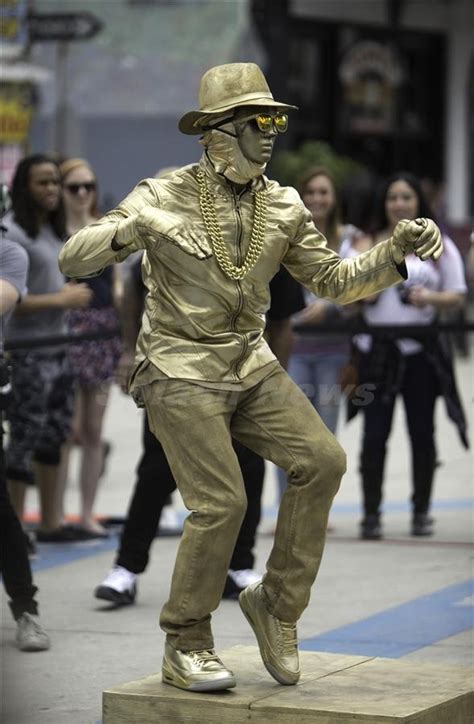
256 132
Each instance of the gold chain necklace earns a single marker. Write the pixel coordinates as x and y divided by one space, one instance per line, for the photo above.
214 230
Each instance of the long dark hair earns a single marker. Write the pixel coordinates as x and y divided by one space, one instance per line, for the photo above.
25 209
380 220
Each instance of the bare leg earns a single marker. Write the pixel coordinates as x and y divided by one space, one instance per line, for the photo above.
93 405
17 492
48 485
66 449
63 479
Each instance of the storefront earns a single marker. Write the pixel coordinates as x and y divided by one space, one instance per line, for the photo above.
367 94
383 82
18 91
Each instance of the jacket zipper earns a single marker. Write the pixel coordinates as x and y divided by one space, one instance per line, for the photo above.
240 304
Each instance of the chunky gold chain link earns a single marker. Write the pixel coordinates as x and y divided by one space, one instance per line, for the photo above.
214 230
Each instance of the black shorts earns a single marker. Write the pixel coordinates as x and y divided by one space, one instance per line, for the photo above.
40 413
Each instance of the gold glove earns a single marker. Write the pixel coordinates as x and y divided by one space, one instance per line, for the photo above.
154 224
421 237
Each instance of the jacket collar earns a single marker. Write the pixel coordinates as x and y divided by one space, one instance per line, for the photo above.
218 184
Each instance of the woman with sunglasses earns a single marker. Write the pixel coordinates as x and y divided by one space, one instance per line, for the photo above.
94 362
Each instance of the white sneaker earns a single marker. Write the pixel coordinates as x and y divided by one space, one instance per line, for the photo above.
119 587
169 521
29 634
236 581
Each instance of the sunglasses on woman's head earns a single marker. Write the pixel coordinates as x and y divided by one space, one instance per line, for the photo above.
75 188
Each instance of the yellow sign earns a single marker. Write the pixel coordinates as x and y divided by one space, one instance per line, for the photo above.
13 27
16 112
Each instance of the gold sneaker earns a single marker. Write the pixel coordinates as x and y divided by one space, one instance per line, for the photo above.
195 670
276 639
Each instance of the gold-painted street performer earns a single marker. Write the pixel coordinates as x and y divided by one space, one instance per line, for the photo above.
214 234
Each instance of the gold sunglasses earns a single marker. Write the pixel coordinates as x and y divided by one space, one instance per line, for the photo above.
264 121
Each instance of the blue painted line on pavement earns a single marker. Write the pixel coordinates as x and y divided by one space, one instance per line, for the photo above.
404 506
59 554
399 506
393 633
398 631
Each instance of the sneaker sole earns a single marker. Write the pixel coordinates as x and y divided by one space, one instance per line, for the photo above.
168 678
268 665
35 647
425 533
110 594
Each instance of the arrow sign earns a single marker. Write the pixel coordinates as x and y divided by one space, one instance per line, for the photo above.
63 26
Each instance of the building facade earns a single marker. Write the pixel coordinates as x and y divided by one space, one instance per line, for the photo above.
388 82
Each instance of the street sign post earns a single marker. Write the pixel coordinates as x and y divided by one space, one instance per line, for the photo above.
62 28
46 27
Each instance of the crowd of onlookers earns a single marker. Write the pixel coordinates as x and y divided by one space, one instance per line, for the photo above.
58 391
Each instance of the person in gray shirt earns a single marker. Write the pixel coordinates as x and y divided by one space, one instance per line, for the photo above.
42 401
13 273
14 564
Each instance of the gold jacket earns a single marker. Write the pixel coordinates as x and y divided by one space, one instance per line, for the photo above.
198 324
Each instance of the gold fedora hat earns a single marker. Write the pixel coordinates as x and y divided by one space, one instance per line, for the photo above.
226 87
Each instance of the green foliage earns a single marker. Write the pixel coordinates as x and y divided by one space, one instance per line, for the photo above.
288 166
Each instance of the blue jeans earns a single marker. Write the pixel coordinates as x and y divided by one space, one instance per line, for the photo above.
318 376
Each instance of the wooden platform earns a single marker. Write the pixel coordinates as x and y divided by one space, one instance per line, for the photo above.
334 689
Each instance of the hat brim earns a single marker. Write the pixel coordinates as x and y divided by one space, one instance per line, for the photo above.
189 123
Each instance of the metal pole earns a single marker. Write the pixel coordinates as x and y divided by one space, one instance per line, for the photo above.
61 118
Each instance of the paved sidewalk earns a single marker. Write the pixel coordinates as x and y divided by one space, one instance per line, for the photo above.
397 598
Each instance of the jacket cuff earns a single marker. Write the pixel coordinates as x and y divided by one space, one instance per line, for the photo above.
125 234
400 266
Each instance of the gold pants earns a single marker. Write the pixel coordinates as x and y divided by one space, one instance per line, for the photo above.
275 419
